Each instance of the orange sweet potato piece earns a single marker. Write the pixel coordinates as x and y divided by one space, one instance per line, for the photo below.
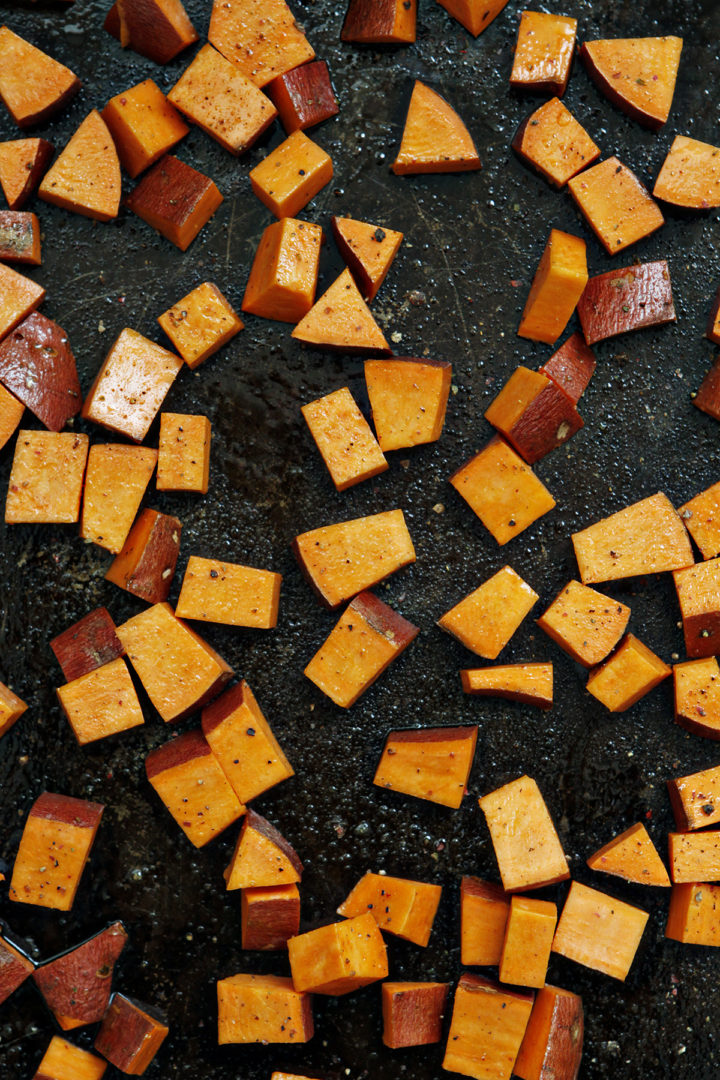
428 763
534 414
85 178
701 517
146 564
697 696
342 321
338 958
19 297
599 931
632 856
531 684
284 273
629 674
270 916
586 624
486 619
616 205
344 439
572 367
37 365
176 200
260 36
101 702
304 96
200 324
434 139
22 164
487 1028
694 916
484 910
33 86
262 1009
528 940
475 15
46 478
544 53
20 237
130 1034
690 175
157 29
558 284
408 397
11 412
698 591
223 592
291 175
144 126
115 482
637 74
183 453
63 1061
712 331
368 251
554 143
526 844
553 1043
11 708
399 906
413 1013
707 399
76 984
54 848
380 22
694 856
695 799
262 857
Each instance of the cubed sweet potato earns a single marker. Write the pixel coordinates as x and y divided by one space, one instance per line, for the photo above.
183 453
553 1043
488 617
531 684
637 74
434 139
33 86
690 175
261 36
701 517
408 397
20 237
262 857
559 282
698 591
63 1061
487 1028
527 847
291 175
534 414
157 29
341 320
284 273
528 940
616 205
85 178
46 477
632 856
712 331
200 324
694 916
344 439
544 53
76 985
399 906
15 966
553 141
19 297
11 413
694 856
484 910
87 644
697 696
144 126
338 958
413 1013
380 22
262 1009
599 931
131 1034
115 482
695 799
628 675
146 564
586 624
22 166
571 366
270 916
623 300
304 96
176 200
223 592
37 366
101 702
368 250
428 763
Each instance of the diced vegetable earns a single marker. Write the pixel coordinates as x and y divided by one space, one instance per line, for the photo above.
223 592
553 1042
713 327
632 856
144 126
380 22
284 273
304 96
428 763
342 321
434 139
408 397
586 624
183 453
37 366
487 1028
101 702
707 399
20 237
11 708
15 968
636 74
694 916
131 1033
22 165
85 178
11 413
553 142
260 36
63 1061
157 29
262 857
115 482
475 15
46 477
33 86
701 517
527 847
76 985
338 958
599 931
528 939
544 53
698 591
488 617
531 684
146 564
697 696
344 439
690 175
176 200
571 367
534 414
629 674
368 250
694 856
616 205
399 906
557 286
87 644
262 1009
484 909
270 916
291 175
624 300
413 1013
696 799
19 297
200 324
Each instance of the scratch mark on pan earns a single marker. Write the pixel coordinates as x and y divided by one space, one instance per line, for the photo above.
229 235
431 227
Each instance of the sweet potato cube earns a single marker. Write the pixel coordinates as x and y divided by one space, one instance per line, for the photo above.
131 1033
694 916
428 763
502 490
76 985
157 29
558 284
284 273
434 139
19 297
33 86
214 94
342 321
270 916
646 537
366 640
11 413
131 385
243 742
585 624
46 477
85 178
527 847
544 53
475 15
15 968
180 672
408 397
115 482
146 564
696 799
260 36
697 697
338 958
22 165
616 205
63 1061
344 439
529 933
572 367
37 366
553 1041
101 702
291 175
599 931
54 848
368 251
11 708
698 590
399 906
632 856
553 141
701 517
707 398
262 1009
176 200
262 857
690 175
487 1028
223 592
183 453
413 1013
694 856
87 644
637 74
339 561
187 776
533 414
629 674
486 619
20 237
200 324
484 909
304 96
531 684
712 331
144 126
380 22
625 300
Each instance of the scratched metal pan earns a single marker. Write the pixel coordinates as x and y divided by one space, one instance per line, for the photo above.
456 291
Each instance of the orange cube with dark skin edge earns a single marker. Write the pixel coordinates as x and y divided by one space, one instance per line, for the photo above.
544 53
399 906
474 15
694 856
599 931
144 126
558 284
157 29
633 857
695 799
616 205
188 778
408 398
131 1034
553 1042
304 96
131 385
530 684
116 479
489 616
712 331
54 848
11 413
428 763
694 915
175 200
526 845
367 250
553 142
262 857
343 437
698 591
262 1009
533 414
366 640
487 1028
585 624
338 958
87 645
100 703
15 968
183 453
284 273
628 675
243 742
572 366
341 320
64 1061
380 22
223 592
636 74
701 517
200 324
11 708
413 1013
180 672
261 37
697 696
502 490
46 478
76 985
19 297
434 139
20 237
484 910
690 175
269 916
707 398
37 366
626 300
214 94
33 86
22 165
85 177
146 564
291 175
528 939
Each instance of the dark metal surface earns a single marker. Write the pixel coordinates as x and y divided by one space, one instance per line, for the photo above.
456 291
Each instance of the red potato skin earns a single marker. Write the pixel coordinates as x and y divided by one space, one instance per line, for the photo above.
150 579
77 984
424 735
414 1017
44 152
176 752
168 195
623 300
70 811
358 271
702 634
548 422
87 645
275 922
15 968
18 233
304 96
707 398
150 33
263 826
384 620
369 21
713 330
127 1028
37 366
571 367
563 1055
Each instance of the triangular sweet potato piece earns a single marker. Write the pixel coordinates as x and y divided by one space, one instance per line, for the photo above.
86 176
157 29
435 140
37 366
22 164
475 15
632 856
262 857
341 320
636 74
76 985
260 36
32 84
368 251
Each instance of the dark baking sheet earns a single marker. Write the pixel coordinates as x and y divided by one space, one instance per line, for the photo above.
456 292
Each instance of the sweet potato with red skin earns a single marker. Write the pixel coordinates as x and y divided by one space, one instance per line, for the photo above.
11 708
616 205
176 200
64 1061
484 910
544 53
341 320
19 297
474 15
380 22
20 237
33 86
712 331
695 799
637 74
130 1034
338 958
367 250
11 413
413 1013
304 96
428 763
599 931
144 126
707 399
527 847
623 300
262 857
146 564
22 166
698 590
87 644
76 985
553 142
690 175
157 29
85 178
631 856
694 916
270 916
553 1042
697 696
261 37
15 966
37 366
530 684
434 139
263 1009
487 1028
46 478
571 367
534 414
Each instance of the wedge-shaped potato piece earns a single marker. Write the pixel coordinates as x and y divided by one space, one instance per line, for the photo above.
694 916
269 916
341 320
260 36
380 22
183 453
628 299
291 175
22 165
284 273
11 709
696 798
343 437
144 126
262 1009
558 284
698 590
636 74
20 237
554 143
76 985
157 29
400 906
628 675
33 86
262 857
87 644
428 763
38 367
616 205
408 397
434 140
599 931
11 413
224 592
131 1034
694 856
572 367
46 478
368 251
85 178
488 617
64 1061
553 1042
413 1013
304 96
147 562
531 684
528 940
487 1028
176 200
101 702
339 561
690 175
475 15
200 324
712 331
338 958
544 53
586 624
116 479
484 910
19 297
534 414
697 697
526 844
701 517
632 856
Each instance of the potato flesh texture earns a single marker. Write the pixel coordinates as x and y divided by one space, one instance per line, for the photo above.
184 453
262 1009
553 141
101 703
64 1061
11 709
557 286
86 176
694 916
690 175
341 320
19 297
291 175
434 138
46 477
199 797
436 769
694 856
697 696
284 273
696 799
527 847
260 36
200 324
144 126
368 250
487 1028
116 480
343 437
701 517
475 15
630 673
599 931
544 52
484 909
399 906
586 624
553 1041
698 590
637 74
214 591
618 208
353 656
22 162
528 939
486 619
50 862
408 399
632 856
258 862
32 84
338 958
529 683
